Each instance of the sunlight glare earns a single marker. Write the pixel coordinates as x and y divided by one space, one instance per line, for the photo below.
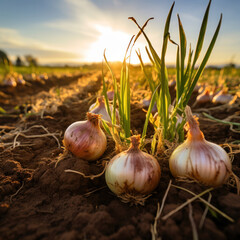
115 43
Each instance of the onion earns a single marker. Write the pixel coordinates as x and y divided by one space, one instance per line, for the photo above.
172 83
146 102
199 159
204 97
10 81
133 174
110 95
196 88
85 139
222 97
201 89
30 77
43 76
156 117
100 108
20 80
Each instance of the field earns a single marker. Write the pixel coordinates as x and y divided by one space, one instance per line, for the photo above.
41 201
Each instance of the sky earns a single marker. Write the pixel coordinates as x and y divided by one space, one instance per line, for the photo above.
78 31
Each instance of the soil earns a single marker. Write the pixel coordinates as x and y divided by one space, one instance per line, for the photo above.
41 201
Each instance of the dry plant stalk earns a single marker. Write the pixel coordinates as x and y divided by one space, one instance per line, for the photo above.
89 176
61 156
16 193
201 199
185 203
237 182
220 108
48 134
194 229
205 212
93 191
234 180
230 153
158 214
19 132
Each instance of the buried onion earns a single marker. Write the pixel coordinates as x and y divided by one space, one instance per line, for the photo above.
133 174
199 159
85 139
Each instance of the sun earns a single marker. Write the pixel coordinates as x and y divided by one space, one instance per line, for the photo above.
115 43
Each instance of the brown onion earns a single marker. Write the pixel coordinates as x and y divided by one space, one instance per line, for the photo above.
85 139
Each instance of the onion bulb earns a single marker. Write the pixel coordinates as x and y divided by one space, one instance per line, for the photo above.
85 139
204 97
10 82
172 83
20 80
201 89
43 76
110 94
199 159
146 103
100 108
196 88
222 97
133 174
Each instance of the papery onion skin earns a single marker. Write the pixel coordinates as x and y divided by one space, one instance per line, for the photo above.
199 159
133 172
85 139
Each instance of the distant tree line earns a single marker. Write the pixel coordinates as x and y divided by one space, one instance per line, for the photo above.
29 60
4 60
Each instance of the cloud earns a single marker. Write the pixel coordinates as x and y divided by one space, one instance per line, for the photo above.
82 16
88 22
15 44
77 32
11 38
